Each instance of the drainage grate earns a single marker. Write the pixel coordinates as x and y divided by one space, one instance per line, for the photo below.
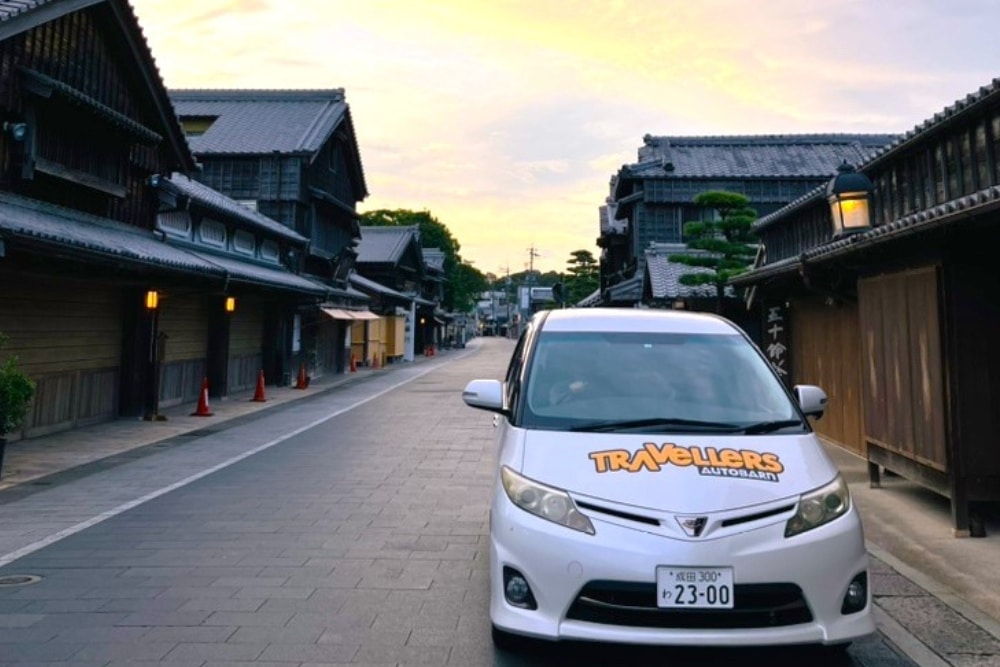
18 580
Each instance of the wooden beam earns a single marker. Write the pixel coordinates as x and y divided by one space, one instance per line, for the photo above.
80 177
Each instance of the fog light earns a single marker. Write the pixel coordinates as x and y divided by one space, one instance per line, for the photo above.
856 596
516 589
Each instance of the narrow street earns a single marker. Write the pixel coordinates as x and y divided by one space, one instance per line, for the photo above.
346 529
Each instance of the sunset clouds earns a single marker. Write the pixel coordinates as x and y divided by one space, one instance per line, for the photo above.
506 119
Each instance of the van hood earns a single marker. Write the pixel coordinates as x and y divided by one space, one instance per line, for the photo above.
677 473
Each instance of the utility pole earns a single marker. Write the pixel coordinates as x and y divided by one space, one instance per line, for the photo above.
532 254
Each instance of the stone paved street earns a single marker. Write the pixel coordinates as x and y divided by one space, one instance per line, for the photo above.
347 528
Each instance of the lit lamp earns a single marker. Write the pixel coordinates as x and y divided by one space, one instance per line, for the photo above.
152 299
230 304
849 194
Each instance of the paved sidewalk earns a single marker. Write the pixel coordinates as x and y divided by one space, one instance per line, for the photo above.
31 461
939 596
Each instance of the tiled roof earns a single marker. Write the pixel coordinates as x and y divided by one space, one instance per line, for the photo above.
37 221
816 194
369 284
421 301
357 294
591 300
11 8
628 291
262 121
242 271
987 199
753 156
227 206
665 276
985 95
782 266
434 258
40 221
385 245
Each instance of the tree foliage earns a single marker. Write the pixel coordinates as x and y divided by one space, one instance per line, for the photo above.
583 275
726 242
462 280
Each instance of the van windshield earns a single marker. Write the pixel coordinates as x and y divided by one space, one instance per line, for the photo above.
678 380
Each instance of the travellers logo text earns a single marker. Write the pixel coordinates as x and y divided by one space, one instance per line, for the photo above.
709 461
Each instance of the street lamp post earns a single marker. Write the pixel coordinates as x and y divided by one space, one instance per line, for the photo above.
154 355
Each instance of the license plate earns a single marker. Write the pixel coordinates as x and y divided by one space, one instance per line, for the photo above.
694 587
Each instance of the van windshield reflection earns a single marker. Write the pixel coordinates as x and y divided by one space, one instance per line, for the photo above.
670 382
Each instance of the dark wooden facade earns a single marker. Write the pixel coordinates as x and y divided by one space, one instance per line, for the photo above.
311 185
84 127
918 296
89 141
88 145
825 351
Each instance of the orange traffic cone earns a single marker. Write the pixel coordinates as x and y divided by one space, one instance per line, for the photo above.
354 364
375 361
303 380
258 395
203 410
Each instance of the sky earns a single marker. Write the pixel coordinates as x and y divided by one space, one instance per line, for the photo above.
506 119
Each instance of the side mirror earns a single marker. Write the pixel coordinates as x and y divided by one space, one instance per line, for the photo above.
484 395
812 399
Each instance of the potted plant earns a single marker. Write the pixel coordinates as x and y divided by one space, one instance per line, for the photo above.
16 391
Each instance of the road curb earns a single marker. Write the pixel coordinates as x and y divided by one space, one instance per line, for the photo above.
901 638
943 593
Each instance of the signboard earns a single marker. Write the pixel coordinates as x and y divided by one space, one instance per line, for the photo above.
777 341
408 329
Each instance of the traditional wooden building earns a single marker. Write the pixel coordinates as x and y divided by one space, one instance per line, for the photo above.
90 269
255 257
894 318
293 156
393 257
650 201
379 335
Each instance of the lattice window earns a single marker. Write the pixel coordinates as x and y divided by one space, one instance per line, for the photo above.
212 233
269 251
175 223
244 242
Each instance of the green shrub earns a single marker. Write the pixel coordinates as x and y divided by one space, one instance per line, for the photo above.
16 391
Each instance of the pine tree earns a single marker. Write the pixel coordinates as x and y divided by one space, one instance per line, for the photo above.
727 243
584 275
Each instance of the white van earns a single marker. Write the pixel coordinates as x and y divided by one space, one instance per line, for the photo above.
656 483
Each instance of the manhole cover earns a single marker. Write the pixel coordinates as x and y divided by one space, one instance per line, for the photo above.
18 579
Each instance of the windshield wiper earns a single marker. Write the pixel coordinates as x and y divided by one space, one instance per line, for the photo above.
624 425
771 426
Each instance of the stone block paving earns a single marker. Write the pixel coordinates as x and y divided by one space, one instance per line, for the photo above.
956 639
360 541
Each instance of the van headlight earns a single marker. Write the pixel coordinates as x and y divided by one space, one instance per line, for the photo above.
820 506
543 501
